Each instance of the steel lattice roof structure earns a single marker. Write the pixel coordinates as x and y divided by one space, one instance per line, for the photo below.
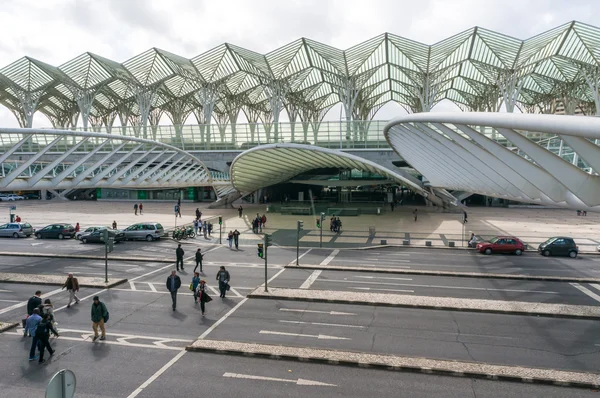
477 69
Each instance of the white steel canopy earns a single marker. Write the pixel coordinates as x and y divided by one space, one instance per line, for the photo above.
271 164
496 154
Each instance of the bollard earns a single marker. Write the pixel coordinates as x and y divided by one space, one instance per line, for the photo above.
427 243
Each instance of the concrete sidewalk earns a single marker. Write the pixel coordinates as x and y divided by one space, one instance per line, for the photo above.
88 257
426 302
445 273
400 363
58 280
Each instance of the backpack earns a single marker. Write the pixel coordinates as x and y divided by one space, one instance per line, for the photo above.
41 329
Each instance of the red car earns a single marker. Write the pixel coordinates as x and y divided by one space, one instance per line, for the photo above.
502 244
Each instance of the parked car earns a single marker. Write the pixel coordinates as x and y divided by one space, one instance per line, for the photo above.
502 244
10 197
97 236
89 230
31 196
559 246
16 230
56 231
145 230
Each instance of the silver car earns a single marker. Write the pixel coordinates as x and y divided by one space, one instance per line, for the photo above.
144 231
89 230
16 230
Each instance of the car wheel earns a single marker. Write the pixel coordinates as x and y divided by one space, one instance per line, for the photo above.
78 237
573 254
149 238
84 240
518 252
546 253
15 235
488 251
39 236
60 236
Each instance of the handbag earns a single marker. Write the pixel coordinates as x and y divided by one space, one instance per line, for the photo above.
227 287
106 317
191 286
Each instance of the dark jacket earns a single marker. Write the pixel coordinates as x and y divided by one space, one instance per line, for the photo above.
227 278
199 257
177 283
71 284
179 252
33 303
45 326
99 311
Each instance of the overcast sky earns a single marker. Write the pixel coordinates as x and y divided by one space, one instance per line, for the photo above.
55 31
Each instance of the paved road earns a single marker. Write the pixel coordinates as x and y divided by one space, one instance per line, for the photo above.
490 338
474 288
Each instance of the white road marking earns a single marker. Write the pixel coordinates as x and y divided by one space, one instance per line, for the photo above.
157 374
86 273
82 299
214 290
132 285
330 257
127 335
317 312
386 290
325 324
311 279
37 244
316 336
293 262
586 291
236 294
5 291
9 301
24 303
300 382
595 286
151 285
382 277
371 259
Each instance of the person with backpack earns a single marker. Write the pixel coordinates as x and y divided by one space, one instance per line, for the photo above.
223 277
72 286
203 297
179 253
33 303
199 258
48 309
43 335
31 326
236 239
135 209
99 318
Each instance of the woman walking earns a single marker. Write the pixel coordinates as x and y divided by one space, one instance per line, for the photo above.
230 238
194 286
202 295
48 309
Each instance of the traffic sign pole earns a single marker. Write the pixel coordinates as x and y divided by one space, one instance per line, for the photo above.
266 245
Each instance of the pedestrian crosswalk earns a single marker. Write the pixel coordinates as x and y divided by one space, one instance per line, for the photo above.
157 287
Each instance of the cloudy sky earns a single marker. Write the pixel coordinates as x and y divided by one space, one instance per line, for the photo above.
55 31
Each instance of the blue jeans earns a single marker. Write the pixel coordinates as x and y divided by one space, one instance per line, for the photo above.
222 288
34 343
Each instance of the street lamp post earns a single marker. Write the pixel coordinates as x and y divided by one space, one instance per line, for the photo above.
300 227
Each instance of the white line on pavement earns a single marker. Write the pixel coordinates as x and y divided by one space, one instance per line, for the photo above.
586 291
370 259
316 336
9 301
127 335
151 285
24 303
382 277
132 285
595 286
325 324
5 291
82 299
330 257
166 292
300 256
311 279
386 290
300 382
317 312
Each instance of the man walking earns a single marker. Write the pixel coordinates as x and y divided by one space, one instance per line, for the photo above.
173 284
43 335
240 210
223 278
236 237
141 207
99 316
415 213
199 258
135 209
32 303
31 327
179 253
72 285
198 214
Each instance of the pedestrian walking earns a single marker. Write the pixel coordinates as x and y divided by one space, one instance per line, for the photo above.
223 277
210 228
392 205
240 211
230 238
179 254
263 222
33 303
31 326
179 202
42 333
135 209
114 224
195 223
141 207
236 238
17 218
415 214
48 309
99 318
173 284
77 227
72 286
199 258
198 214
179 210
203 297
194 285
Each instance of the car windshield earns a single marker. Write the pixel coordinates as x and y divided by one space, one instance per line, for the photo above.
158 226
549 241
494 240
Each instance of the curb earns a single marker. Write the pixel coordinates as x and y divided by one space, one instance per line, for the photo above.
434 306
8 325
86 257
395 363
446 273
90 285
